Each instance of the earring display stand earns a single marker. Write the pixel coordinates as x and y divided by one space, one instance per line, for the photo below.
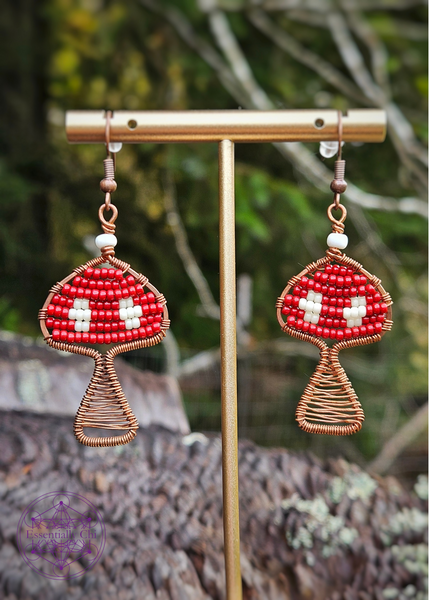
226 127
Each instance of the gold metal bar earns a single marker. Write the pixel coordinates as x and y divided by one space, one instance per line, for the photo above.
231 525
133 127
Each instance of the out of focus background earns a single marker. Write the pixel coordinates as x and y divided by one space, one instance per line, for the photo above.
58 55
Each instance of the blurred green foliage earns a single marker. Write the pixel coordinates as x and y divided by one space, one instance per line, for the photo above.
95 54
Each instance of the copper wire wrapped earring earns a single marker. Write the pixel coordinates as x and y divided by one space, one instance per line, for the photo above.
336 299
104 302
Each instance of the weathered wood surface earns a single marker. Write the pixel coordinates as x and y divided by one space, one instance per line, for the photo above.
309 530
38 378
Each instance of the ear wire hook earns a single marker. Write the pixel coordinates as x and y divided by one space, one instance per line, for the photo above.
340 134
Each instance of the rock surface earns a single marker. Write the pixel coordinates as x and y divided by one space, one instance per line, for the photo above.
309 530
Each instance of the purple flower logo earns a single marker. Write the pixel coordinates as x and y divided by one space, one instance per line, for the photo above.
61 535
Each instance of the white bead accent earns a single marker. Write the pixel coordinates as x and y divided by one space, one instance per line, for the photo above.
361 300
77 303
337 240
105 239
310 305
355 302
122 303
310 296
128 323
79 314
85 304
78 326
130 312
317 308
314 319
130 302
302 304
318 298
307 317
354 312
138 312
86 314
362 311
358 322
123 314
115 147
346 312
350 323
85 326
72 314
136 323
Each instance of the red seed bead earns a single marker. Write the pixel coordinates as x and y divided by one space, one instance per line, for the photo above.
63 301
348 281
321 321
336 323
100 338
115 306
293 312
310 284
356 279
324 278
107 327
72 292
95 294
87 294
369 300
372 319
143 321
340 281
305 326
376 309
340 301
65 313
96 274
290 321
343 323
303 293
130 280
159 306
121 336
319 331
104 273
317 288
52 310
63 336
362 329
107 285
299 323
369 310
49 322
77 280
69 303
94 315
380 318
325 310
377 297
370 289
312 329
125 293
325 300
64 325
142 332
296 291
347 333
365 320
355 332
378 327
70 325
121 325
335 269
110 295
324 289
156 327
99 327
347 302
115 285
109 315
300 314
123 283
343 271
329 322
107 338
115 326
325 332
295 303
339 335
384 308
58 311
128 336
339 313
55 299
101 315
70 337
353 292
328 269
92 327
304 281
332 301
144 300
332 279
100 284
350 272
135 333
115 315
103 295
89 272
119 275
317 275
370 329
114 338
80 293
331 291
361 290
132 290
57 324
139 289
346 291
66 289
92 285
78 337
111 273
150 297
118 294
92 338
56 335
107 306
362 280
332 311
288 300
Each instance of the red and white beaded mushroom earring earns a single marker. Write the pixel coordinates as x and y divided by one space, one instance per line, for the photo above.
104 302
336 299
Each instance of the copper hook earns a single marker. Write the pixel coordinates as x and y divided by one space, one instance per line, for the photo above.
340 134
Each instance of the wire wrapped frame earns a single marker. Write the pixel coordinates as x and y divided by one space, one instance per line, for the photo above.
329 404
104 405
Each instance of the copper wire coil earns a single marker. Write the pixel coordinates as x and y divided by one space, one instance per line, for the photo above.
329 404
104 405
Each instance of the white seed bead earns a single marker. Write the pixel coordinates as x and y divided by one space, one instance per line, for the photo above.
122 303
314 319
317 308
362 311
350 322
86 314
85 326
78 326
354 312
361 300
310 296
309 307
130 312
318 298
105 239
130 302
337 240
302 304
122 314
346 312
79 314
307 317
128 323
136 323
358 322
77 303
72 314
138 312
355 302
85 304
